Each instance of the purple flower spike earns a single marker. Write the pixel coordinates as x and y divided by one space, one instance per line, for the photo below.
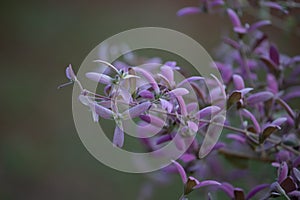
118 139
102 111
70 73
101 78
282 172
137 110
235 20
259 97
188 11
238 82
255 190
180 171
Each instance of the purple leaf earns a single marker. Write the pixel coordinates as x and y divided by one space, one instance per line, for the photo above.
180 171
188 11
100 78
118 139
259 97
255 190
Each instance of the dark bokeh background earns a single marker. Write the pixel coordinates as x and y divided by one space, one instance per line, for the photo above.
41 156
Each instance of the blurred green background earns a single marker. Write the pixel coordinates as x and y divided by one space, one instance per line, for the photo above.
41 155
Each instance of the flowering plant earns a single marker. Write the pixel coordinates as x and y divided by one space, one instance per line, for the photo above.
259 85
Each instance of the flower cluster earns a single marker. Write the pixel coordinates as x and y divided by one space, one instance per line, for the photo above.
259 85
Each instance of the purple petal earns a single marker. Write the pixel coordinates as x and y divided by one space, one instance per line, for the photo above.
192 106
272 83
274 54
212 135
248 114
182 105
207 183
259 97
259 24
179 92
241 30
180 171
209 110
236 137
279 121
166 105
137 110
190 79
228 189
288 109
153 120
295 194
187 157
232 43
255 190
102 111
192 126
188 11
149 77
146 94
163 139
235 20
101 78
296 173
238 82
118 137
282 172
273 5
167 72
70 73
